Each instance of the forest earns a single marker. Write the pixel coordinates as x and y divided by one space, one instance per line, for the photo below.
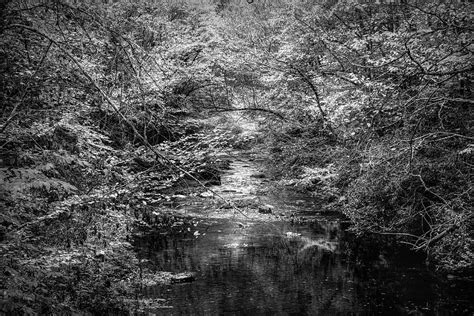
111 111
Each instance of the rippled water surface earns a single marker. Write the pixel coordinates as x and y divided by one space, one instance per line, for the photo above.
249 267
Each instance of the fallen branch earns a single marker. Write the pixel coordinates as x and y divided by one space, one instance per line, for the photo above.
436 238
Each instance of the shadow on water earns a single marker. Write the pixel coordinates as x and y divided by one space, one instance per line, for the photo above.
281 269
277 268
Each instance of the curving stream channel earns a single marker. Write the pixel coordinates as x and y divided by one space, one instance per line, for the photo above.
272 264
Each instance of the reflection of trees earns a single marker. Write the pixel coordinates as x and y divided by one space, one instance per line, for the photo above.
270 274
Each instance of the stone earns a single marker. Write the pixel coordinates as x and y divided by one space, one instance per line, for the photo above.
183 277
266 209
206 194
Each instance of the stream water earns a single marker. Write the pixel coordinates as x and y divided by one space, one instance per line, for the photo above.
270 264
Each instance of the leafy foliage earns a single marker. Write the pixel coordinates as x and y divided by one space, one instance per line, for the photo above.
107 111
95 129
379 96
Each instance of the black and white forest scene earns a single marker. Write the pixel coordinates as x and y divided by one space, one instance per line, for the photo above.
236 157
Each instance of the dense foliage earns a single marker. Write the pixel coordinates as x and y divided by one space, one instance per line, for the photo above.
106 107
378 107
102 116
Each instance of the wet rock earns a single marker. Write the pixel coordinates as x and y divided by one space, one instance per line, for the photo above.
266 209
183 277
258 175
206 194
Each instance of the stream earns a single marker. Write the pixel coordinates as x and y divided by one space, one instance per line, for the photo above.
252 262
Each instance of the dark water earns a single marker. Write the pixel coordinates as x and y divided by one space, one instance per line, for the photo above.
317 268
259 270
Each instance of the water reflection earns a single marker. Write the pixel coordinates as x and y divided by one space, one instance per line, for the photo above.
262 270
255 268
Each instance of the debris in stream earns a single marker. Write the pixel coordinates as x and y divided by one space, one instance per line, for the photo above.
164 277
291 234
206 194
320 244
183 277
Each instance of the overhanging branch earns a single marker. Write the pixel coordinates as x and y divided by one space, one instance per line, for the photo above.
162 158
